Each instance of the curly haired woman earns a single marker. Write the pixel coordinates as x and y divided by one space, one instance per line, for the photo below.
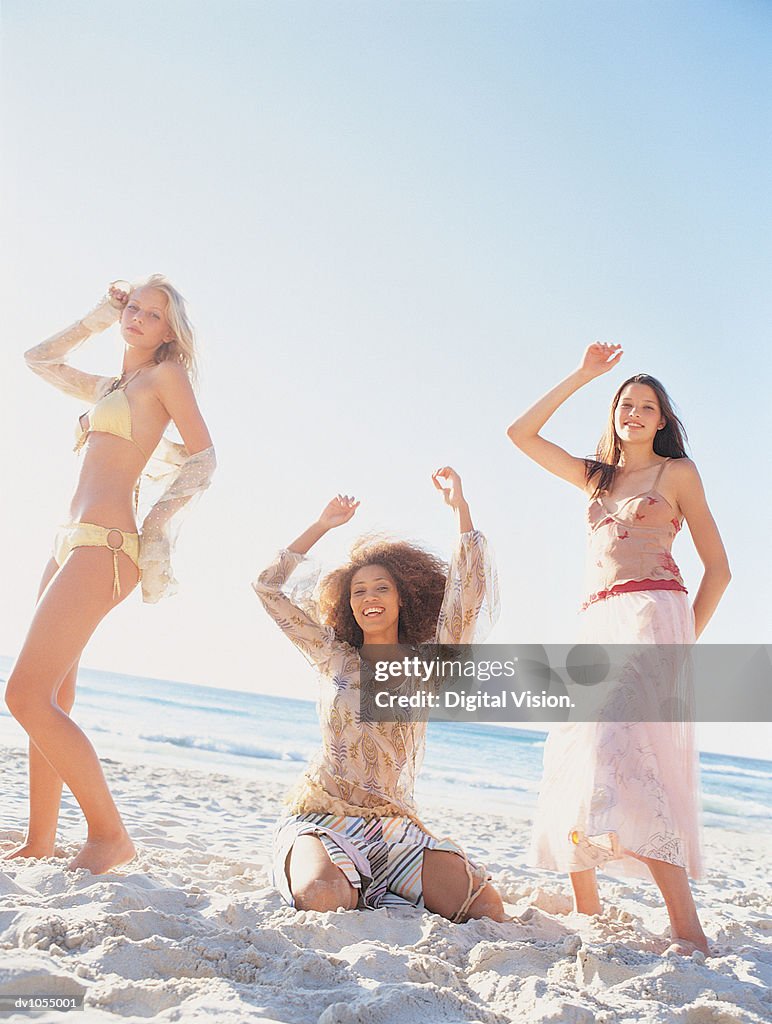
353 838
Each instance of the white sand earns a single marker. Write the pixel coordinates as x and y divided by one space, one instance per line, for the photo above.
191 931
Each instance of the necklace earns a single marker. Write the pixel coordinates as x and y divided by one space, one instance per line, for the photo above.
131 374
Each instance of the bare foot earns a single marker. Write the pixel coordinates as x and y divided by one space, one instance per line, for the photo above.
683 947
103 853
32 850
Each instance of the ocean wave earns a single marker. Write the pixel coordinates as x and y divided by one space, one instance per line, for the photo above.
479 782
730 769
227 747
731 807
141 698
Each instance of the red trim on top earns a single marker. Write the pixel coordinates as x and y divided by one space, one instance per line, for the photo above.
634 586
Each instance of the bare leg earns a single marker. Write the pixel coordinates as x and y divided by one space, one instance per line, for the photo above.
45 788
445 882
315 882
69 611
585 886
685 927
45 784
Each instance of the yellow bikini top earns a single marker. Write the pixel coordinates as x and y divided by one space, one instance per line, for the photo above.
110 415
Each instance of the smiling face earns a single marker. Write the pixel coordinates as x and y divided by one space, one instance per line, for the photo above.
638 415
144 324
375 602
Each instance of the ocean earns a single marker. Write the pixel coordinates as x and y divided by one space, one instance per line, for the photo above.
474 766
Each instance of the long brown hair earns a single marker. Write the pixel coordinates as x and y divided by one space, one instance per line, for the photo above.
669 441
420 578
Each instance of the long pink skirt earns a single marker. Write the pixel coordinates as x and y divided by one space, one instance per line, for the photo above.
613 792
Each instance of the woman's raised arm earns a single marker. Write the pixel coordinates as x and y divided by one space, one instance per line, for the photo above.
470 606
598 359
49 359
297 617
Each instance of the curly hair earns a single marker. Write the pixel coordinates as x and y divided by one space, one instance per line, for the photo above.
420 578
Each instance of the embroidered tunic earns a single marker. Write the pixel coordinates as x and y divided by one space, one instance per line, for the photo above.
368 769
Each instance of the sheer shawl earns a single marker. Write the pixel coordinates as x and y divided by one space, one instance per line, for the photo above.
175 478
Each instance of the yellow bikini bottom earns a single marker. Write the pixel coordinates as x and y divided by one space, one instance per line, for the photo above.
89 535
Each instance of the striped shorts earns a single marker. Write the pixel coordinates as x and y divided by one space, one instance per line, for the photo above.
381 857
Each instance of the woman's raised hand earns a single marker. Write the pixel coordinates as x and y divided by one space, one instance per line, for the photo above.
118 293
599 358
109 308
452 492
338 511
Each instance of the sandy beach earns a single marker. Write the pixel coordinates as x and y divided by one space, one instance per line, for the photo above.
192 931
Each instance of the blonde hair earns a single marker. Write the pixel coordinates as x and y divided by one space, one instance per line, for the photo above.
182 348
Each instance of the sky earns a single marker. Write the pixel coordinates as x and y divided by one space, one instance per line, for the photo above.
396 225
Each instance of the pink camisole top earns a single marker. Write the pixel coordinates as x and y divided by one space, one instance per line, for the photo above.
629 549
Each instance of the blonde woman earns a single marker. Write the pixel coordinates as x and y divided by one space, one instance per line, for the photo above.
100 555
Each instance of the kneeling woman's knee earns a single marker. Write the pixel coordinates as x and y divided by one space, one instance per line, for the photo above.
322 895
487 903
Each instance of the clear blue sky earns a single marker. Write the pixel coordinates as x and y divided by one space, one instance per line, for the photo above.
396 225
